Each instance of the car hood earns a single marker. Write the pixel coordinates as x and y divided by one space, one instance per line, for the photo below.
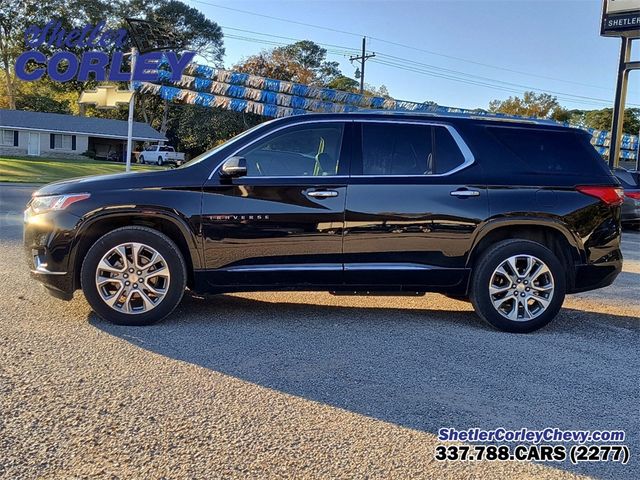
117 181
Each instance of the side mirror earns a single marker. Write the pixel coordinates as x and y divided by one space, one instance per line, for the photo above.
234 167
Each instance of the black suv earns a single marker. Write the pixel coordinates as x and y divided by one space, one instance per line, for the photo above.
511 215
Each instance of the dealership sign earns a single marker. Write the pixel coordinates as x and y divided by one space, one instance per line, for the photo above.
620 18
64 65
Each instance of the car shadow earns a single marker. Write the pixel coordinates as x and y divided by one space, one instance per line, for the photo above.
422 369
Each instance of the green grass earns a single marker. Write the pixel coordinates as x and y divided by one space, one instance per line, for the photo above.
46 170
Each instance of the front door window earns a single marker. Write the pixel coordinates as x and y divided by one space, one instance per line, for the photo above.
302 151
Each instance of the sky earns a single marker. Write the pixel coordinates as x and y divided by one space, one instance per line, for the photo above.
461 53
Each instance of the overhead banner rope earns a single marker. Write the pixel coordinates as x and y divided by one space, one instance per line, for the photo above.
243 92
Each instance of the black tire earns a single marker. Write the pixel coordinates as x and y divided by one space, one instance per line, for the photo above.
154 239
481 278
141 159
160 161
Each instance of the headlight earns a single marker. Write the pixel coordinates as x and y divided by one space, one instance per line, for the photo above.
56 202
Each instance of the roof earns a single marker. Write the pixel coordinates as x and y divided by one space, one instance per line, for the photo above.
452 118
73 124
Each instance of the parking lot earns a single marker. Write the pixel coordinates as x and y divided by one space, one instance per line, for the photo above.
300 384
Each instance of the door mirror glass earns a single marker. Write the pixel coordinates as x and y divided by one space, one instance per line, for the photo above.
234 167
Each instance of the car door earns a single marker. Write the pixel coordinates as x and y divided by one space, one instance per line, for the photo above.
415 199
281 223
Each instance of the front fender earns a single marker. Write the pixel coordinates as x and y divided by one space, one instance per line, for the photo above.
138 214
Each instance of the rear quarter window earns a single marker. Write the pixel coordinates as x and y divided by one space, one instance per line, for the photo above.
550 151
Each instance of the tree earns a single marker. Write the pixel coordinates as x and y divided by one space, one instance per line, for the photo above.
197 128
344 83
602 120
15 16
540 105
381 91
303 62
197 33
313 57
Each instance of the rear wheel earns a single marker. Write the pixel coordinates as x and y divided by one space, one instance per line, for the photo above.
133 276
518 286
141 159
160 161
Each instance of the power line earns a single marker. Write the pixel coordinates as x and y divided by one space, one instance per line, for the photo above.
398 44
353 50
423 68
405 61
418 70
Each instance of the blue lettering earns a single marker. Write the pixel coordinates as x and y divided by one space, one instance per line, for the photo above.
57 36
31 36
90 42
21 64
115 72
178 65
105 39
121 37
54 63
95 62
147 67
72 38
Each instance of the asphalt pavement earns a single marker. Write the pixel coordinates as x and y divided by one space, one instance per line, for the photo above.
281 385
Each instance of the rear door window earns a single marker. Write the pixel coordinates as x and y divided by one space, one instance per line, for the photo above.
404 149
396 149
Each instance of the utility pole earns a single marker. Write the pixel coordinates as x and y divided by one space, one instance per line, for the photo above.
362 59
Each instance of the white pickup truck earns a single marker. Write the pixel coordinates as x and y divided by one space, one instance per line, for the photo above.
160 154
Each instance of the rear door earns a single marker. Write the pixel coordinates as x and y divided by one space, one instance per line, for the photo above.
282 223
415 198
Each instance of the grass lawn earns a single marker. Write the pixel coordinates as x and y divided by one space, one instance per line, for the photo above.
46 170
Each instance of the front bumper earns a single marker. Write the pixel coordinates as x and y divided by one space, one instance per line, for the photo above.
48 240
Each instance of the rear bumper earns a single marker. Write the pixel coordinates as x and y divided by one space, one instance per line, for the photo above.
596 275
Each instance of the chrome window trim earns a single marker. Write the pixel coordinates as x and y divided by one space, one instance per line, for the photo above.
468 156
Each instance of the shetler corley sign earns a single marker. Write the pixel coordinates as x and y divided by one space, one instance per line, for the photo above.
620 18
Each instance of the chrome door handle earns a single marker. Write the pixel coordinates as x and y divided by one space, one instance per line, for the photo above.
465 193
322 193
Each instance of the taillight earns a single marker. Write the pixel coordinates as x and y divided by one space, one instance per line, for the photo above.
634 195
609 195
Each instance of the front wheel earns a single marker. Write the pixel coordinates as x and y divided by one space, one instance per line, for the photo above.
518 286
133 276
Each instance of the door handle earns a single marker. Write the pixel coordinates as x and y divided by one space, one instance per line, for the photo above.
322 193
465 193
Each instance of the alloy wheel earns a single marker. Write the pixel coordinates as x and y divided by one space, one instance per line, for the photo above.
521 287
132 278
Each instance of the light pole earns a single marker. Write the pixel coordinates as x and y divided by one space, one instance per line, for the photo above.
134 53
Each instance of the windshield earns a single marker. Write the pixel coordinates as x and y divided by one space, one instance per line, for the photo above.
208 153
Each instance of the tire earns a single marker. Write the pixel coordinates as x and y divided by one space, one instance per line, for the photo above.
160 161
136 311
525 318
141 159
